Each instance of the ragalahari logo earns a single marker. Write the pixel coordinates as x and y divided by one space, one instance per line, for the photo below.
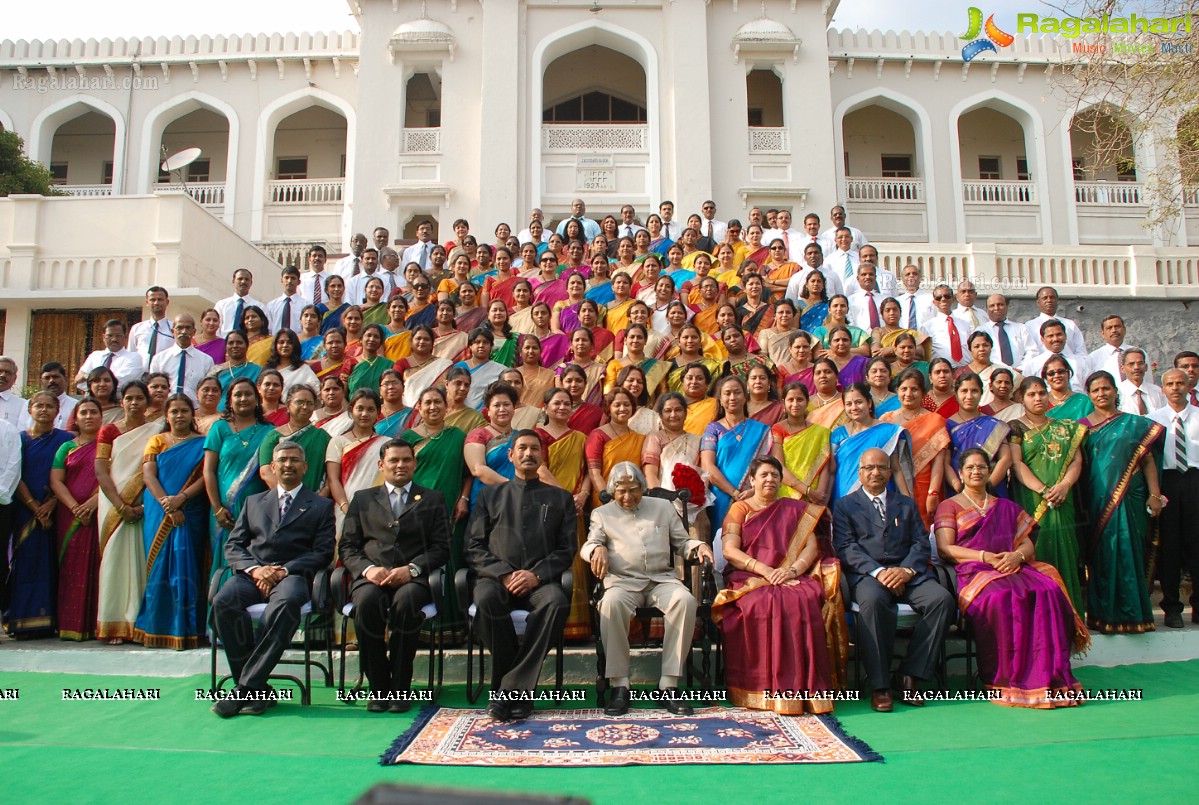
976 45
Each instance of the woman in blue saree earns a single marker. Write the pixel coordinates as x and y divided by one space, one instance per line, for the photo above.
394 417
861 433
331 310
878 377
33 564
311 340
173 532
486 448
814 298
231 461
730 443
970 429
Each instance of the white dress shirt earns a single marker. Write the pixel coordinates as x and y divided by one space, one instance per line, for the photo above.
1074 341
881 497
66 406
937 329
418 253
274 313
845 266
14 409
196 369
344 267
718 228
308 280
1109 359
975 316
859 309
859 237
227 310
832 283
800 240
629 230
795 240
125 365
1017 337
10 462
1152 395
525 236
140 333
1165 416
356 286
923 300
1034 362
673 230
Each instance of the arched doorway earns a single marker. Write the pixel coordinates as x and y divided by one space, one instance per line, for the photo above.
207 175
82 155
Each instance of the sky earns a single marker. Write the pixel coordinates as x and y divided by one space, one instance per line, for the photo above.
69 19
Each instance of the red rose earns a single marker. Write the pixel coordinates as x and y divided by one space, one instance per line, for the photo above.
685 477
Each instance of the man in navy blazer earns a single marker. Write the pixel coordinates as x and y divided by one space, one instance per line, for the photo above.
283 537
883 547
394 535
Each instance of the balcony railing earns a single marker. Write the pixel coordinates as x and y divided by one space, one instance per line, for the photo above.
999 191
859 188
86 189
208 194
422 141
306 191
769 141
1190 196
1109 194
603 137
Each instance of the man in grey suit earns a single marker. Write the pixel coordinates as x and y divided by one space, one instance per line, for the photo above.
883 546
629 549
283 537
394 535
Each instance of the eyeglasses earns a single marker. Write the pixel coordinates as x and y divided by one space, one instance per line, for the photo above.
1057 372
875 467
943 297
778 248
420 287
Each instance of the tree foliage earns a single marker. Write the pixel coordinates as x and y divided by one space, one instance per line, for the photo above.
19 173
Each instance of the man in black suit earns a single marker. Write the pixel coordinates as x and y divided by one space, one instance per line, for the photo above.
522 536
283 537
883 545
394 535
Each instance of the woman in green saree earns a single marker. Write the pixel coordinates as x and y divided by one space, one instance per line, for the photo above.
369 369
1064 402
299 429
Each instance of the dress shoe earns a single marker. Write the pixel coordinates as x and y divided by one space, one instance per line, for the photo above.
254 707
376 705
400 705
618 701
521 710
228 707
1174 620
880 701
499 711
909 692
676 705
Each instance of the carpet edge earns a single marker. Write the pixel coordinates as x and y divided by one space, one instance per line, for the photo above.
388 758
857 744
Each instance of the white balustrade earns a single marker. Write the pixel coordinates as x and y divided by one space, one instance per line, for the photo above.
422 141
999 191
306 191
595 137
207 194
769 141
1190 196
873 188
88 190
1109 194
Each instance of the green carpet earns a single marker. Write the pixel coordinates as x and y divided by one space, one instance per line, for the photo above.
176 751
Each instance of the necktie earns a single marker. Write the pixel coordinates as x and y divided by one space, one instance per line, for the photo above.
1194 398
973 317
397 503
1180 445
955 340
1142 409
153 349
316 289
911 311
878 507
284 505
182 371
357 267
285 319
389 279
108 360
710 229
237 313
848 268
628 230
1005 343
873 310
424 257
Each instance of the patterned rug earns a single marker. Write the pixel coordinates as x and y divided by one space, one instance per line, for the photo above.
643 737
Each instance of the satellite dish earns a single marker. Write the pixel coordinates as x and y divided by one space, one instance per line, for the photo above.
180 160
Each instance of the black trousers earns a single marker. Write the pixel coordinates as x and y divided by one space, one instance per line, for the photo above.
878 618
1179 537
7 515
376 608
251 661
516 666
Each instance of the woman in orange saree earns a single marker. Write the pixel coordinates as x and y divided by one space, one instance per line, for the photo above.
930 442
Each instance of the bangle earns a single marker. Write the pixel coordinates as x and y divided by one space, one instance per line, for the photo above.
1021 555
30 502
982 556
464 497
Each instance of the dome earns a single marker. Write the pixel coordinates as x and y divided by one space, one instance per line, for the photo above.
423 31
764 29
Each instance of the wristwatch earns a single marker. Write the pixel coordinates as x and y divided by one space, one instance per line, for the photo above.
414 569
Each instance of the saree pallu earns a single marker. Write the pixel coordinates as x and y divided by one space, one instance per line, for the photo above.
416 381
331 319
259 352
854 371
679 276
551 292
1023 622
525 417
397 345
554 348
776 345
1047 451
705 319
757 321
32 563
601 294
237 476
660 246
858 336
568 464
919 366
735 448
700 414
759 256
929 437
481 377
537 384
605 344
813 316
395 425
505 353
471 319
1116 494
336 370
375 314
945 409
848 450
312 440
450 347
367 373
1075 407
418 315
617 317
337 424
985 432
804 376
122 554
227 374
788 637
586 417
805 455
312 348
497 460
521 321
359 469
172 607
440 466
771 414
500 288
781 273
214 349
830 415
625 447
568 317
887 406
78 549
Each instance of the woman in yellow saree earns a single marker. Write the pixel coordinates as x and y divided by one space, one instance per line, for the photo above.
614 442
825 408
802 449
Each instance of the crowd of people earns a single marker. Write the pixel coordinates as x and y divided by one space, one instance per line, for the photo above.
827 417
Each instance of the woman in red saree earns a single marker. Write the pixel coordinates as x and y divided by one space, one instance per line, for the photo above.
782 607
586 416
940 398
930 442
73 481
1018 607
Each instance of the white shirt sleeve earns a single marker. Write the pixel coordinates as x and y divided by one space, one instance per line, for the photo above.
10 462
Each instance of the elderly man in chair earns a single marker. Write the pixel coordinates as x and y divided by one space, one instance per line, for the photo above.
629 548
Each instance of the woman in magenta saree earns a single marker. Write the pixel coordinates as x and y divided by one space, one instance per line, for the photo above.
778 614
1023 621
